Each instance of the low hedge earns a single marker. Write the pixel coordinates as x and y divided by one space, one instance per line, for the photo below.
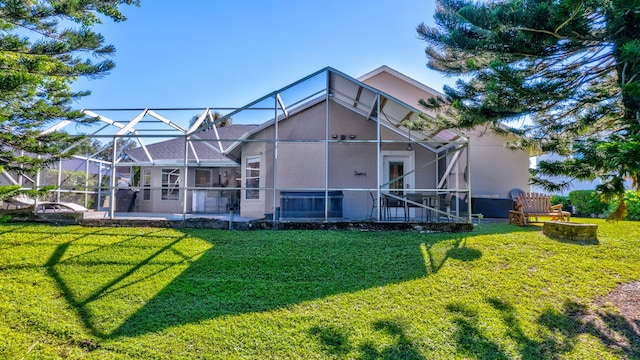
588 203
564 200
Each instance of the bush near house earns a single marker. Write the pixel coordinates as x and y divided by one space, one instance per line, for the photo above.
564 200
587 203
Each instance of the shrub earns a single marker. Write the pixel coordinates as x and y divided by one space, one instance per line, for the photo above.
632 199
564 200
587 203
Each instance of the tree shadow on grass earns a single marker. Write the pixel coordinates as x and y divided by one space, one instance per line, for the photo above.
615 331
81 305
559 333
335 342
401 348
436 253
261 271
235 272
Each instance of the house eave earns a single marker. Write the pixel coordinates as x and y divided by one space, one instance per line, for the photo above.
179 163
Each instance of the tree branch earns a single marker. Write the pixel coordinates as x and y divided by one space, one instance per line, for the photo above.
541 31
575 12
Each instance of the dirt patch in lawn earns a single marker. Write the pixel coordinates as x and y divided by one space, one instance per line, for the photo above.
626 298
619 330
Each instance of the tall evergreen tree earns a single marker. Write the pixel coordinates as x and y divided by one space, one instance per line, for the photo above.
563 75
45 45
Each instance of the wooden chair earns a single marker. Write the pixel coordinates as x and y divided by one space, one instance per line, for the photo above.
532 205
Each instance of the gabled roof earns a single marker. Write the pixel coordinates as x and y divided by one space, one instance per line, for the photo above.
401 76
384 69
443 136
205 148
361 98
213 146
226 135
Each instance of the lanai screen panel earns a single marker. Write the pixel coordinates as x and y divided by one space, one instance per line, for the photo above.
333 143
351 94
395 114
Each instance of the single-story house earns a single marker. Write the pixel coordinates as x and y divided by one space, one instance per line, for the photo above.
332 146
328 146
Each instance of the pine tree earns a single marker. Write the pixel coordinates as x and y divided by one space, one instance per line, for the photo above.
44 47
561 75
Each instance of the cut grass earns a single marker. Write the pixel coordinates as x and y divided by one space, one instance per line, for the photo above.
501 292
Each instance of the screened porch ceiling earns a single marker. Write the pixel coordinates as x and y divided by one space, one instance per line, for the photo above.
393 113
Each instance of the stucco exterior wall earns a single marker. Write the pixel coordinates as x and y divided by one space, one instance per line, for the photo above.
352 165
401 90
255 207
494 169
155 204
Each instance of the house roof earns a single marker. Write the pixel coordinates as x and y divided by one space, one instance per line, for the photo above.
442 136
401 76
213 146
84 165
205 148
363 99
422 87
227 135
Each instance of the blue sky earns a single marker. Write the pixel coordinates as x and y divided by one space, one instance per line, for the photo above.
203 53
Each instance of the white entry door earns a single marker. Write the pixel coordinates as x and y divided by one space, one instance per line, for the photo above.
394 165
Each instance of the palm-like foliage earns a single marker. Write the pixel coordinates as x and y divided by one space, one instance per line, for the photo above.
562 75
210 120
41 54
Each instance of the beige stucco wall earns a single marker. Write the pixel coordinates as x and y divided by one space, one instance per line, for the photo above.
401 90
301 165
157 205
254 207
494 169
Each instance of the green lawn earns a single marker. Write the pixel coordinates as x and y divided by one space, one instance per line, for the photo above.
501 292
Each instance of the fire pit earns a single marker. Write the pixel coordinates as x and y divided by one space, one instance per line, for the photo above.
571 231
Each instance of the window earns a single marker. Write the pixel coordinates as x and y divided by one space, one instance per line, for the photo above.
203 178
252 177
146 184
170 184
396 171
